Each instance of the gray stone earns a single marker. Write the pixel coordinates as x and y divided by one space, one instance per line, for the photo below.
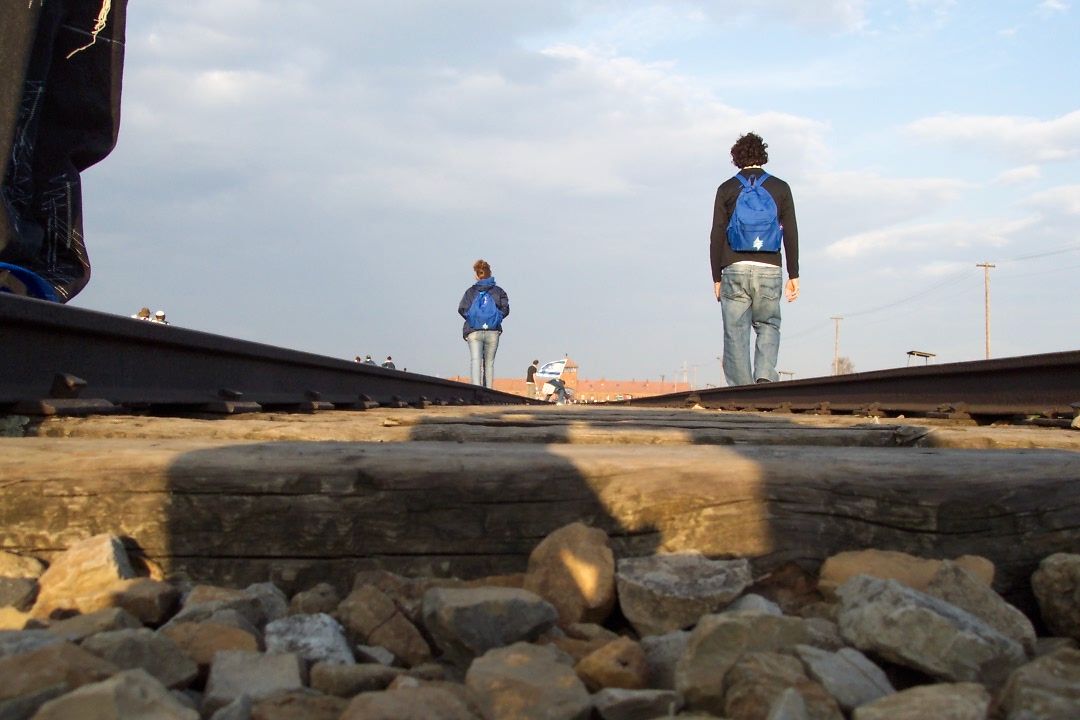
661 593
374 653
238 709
243 612
466 623
143 648
1047 688
302 704
718 642
269 597
662 653
315 638
847 675
919 631
527 682
756 603
18 593
16 642
1057 588
945 701
258 675
620 704
953 584
349 680
129 694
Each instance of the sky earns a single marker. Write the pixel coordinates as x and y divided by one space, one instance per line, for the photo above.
321 176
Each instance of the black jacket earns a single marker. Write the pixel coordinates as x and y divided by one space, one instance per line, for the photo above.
502 301
720 253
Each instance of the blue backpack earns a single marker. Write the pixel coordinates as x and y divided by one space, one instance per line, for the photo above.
483 314
755 223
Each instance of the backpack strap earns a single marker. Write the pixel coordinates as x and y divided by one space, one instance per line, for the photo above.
751 184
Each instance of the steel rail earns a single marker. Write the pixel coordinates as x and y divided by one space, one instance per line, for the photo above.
1047 385
68 360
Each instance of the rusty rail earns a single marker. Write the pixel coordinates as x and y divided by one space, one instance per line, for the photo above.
59 359
1047 385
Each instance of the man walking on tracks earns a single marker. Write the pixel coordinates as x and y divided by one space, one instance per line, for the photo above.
754 215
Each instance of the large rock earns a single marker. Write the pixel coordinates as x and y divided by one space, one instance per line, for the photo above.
257 675
270 599
946 701
661 593
31 678
662 654
420 703
923 632
757 681
1047 688
1057 588
17 642
371 617
718 642
527 682
143 648
848 675
915 572
955 585
466 623
130 694
81 578
315 638
151 601
573 568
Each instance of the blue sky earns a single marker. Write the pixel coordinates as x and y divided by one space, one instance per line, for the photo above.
321 176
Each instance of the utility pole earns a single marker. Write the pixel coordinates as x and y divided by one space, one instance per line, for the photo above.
986 300
836 345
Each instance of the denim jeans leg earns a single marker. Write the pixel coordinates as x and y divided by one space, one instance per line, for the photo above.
491 346
768 286
735 306
476 367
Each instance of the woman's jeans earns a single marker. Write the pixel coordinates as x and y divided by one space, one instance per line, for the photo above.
750 296
482 347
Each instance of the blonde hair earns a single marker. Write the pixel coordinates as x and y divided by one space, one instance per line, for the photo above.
482 269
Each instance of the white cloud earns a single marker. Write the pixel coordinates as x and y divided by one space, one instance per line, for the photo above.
1017 175
928 237
1060 200
1006 136
1053 6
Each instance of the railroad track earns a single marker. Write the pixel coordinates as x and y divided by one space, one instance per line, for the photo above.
1045 386
58 359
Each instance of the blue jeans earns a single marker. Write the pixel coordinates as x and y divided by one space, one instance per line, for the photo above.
750 295
482 347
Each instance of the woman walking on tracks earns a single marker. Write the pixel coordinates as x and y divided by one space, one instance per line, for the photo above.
484 306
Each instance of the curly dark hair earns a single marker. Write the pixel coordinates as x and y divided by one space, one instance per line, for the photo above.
482 269
749 150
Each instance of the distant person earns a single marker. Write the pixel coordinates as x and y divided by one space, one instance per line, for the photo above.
556 387
368 360
389 363
753 216
530 380
159 317
143 314
484 306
